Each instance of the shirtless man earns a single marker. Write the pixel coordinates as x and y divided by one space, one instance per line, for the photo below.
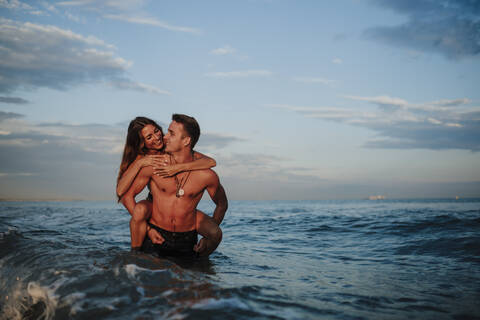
173 226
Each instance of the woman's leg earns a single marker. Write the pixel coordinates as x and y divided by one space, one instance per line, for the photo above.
138 222
211 233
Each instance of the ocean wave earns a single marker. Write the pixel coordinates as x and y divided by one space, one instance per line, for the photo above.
285 260
457 247
33 302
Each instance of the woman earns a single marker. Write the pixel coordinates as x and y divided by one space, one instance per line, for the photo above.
144 147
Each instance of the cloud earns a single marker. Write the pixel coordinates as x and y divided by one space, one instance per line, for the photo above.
216 141
49 7
240 74
313 80
75 3
152 22
399 124
9 115
228 50
52 170
60 58
326 113
90 137
14 4
223 51
123 10
44 10
340 37
74 18
44 56
253 165
130 11
87 138
337 61
451 103
120 5
137 86
13 100
17 174
450 27
36 11
257 176
57 160
61 160
384 102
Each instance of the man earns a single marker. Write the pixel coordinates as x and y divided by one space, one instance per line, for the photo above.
173 226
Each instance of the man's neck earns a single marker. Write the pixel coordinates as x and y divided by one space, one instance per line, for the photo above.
153 152
182 156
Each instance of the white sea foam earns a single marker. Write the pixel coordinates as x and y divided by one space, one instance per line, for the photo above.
167 293
14 303
75 301
176 316
206 304
19 300
57 272
141 291
116 271
46 295
132 270
10 230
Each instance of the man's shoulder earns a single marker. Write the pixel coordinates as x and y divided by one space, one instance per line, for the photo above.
206 174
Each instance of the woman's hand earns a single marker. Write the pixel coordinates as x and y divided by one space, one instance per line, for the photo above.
155 236
155 160
167 170
200 247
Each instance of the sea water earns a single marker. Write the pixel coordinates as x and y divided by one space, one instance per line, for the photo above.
386 259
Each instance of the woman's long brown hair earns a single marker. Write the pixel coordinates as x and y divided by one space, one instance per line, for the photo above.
134 144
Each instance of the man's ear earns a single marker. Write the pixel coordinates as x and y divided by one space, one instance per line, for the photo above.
186 141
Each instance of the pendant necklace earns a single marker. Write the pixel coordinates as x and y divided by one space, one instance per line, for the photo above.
180 184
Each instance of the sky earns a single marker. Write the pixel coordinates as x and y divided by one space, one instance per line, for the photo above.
296 99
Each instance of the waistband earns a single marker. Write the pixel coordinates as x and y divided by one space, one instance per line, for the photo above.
172 234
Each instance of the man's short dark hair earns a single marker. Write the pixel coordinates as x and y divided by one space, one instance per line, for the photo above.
190 125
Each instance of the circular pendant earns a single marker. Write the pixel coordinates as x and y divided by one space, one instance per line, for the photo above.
181 192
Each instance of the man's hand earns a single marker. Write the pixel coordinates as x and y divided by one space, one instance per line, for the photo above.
155 236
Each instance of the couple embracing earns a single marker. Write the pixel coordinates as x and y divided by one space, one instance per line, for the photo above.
167 222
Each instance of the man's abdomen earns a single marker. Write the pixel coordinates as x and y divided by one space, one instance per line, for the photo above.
174 220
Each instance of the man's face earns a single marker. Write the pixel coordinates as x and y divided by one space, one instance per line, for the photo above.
175 137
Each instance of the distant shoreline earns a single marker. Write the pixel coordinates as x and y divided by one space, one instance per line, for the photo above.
352 199
45 200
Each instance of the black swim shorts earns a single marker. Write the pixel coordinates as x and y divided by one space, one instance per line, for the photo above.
175 244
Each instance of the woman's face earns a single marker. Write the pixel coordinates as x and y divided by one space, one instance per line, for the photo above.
153 137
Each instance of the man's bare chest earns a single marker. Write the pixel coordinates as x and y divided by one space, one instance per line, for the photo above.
181 185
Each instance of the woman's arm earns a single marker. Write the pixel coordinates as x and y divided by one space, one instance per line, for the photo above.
128 198
200 162
129 175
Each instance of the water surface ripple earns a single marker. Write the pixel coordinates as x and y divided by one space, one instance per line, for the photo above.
415 259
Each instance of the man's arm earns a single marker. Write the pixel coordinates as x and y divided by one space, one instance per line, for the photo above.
217 193
128 199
